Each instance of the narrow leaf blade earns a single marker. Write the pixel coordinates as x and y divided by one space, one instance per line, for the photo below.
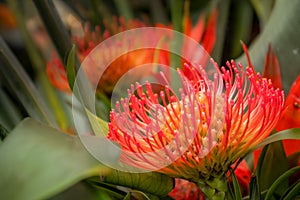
236 187
280 180
254 189
269 169
282 135
71 74
22 86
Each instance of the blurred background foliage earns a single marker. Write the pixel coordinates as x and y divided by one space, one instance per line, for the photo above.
28 45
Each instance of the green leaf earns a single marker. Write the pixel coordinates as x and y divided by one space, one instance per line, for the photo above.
254 189
10 115
282 135
240 26
55 27
82 190
158 12
38 162
294 159
282 33
3 133
100 127
268 169
176 14
263 10
70 69
111 190
152 183
295 191
223 13
283 178
124 9
52 99
128 196
236 187
22 86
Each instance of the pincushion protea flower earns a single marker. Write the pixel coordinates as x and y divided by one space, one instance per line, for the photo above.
200 133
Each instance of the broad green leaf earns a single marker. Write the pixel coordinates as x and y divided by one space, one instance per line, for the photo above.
236 187
283 33
22 86
268 169
284 177
282 135
263 10
70 69
38 162
152 183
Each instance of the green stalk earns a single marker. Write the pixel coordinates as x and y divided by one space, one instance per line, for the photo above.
39 66
223 13
177 15
158 12
55 28
100 12
124 9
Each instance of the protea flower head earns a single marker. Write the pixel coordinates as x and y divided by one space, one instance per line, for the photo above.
198 134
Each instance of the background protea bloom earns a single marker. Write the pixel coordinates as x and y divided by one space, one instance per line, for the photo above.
198 134
86 43
90 39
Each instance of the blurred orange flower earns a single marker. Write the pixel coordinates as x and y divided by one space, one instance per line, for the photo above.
120 66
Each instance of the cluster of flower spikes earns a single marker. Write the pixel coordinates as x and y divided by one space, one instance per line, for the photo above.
200 133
